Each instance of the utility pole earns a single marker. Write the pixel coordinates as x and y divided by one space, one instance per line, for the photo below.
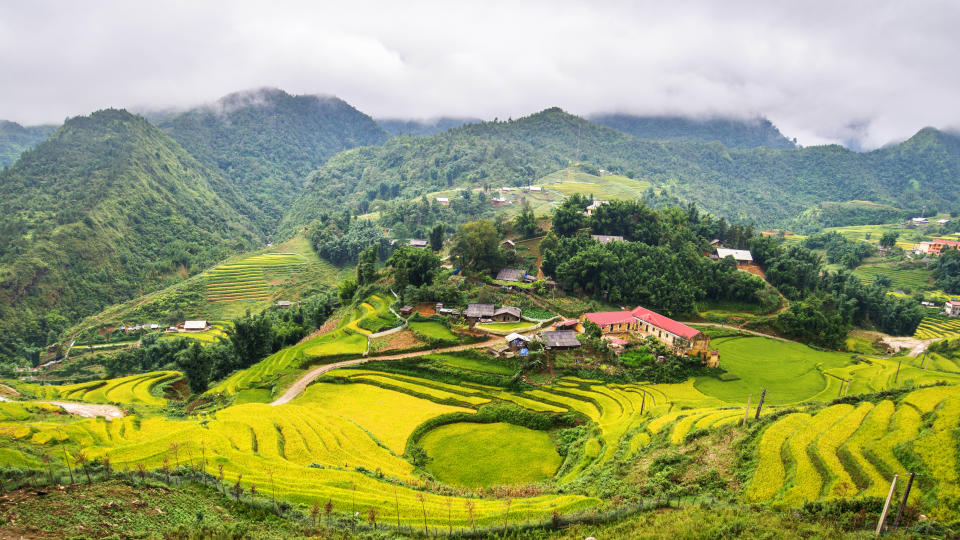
643 401
886 506
897 378
903 502
763 395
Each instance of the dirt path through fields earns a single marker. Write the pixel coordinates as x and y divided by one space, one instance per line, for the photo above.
88 410
300 385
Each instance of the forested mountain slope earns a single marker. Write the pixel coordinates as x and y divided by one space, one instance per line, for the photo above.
731 132
267 141
16 139
108 208
422 128
766 186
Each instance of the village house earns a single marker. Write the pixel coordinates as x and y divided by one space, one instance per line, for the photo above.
508 244
535 188
417 243
406 311
952 308
194 326
513 275
517 341
606 238
571 324
593 206
506 314
560 339
444 201
919 220
742 256
943 221
676 335
284 304
616 344
937 246
476 312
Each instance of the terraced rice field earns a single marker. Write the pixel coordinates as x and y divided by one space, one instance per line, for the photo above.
132 390
244 279
310 451
347 341
938 327
506 327
432 330
915 279
846 451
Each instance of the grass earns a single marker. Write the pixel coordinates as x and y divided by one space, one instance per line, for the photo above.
505 328
432 330
790 372
472 363
480 455
914 279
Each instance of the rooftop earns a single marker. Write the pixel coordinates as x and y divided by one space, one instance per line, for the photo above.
511 274
606 238
561 338
737 254
610 317
661 321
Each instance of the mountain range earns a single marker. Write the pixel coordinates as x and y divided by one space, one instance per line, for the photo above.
112 205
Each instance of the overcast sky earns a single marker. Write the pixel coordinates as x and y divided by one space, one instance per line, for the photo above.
822 71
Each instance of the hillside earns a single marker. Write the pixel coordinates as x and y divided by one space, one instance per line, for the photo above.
16 139
766 186
106 209
266 141
730 132
422 128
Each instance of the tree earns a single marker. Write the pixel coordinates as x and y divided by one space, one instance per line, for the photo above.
946 271
569 218
252 339
347 289
476 245
889 239
436 237
196 366
367 266
413 266
525 224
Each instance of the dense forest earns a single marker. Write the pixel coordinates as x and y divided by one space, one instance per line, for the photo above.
107 209
422 128
767 186
730 132
16 139
267 141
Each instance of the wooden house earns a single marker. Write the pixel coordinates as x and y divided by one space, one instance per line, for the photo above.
506 314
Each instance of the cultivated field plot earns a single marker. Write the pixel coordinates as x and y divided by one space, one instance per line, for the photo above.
432 330
245 280
505 328
350 340
854 450
791 372
479 455
906 240
914 279
937 328
217 331
132 390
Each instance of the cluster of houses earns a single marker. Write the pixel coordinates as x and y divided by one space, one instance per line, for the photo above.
951 308
936 246
138 327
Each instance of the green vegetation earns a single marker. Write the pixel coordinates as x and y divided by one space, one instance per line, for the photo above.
266 141
480 455
432 330
505 328
789 371
135 389
732 133
16 139
106 209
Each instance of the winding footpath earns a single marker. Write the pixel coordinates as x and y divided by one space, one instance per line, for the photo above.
301 384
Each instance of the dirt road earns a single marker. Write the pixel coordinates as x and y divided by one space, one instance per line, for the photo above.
88 410
298 387
738 329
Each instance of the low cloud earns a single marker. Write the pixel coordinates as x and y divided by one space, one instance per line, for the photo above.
862 74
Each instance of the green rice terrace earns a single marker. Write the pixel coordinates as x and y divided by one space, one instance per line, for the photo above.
451 440
246 279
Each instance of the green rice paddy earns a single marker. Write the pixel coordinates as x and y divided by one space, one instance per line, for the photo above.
481 455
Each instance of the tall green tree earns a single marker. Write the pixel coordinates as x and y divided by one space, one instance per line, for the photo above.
412 266
195 366
252 339
436 237
477 246
525 224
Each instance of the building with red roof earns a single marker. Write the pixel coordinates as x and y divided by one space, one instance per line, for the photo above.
640 320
